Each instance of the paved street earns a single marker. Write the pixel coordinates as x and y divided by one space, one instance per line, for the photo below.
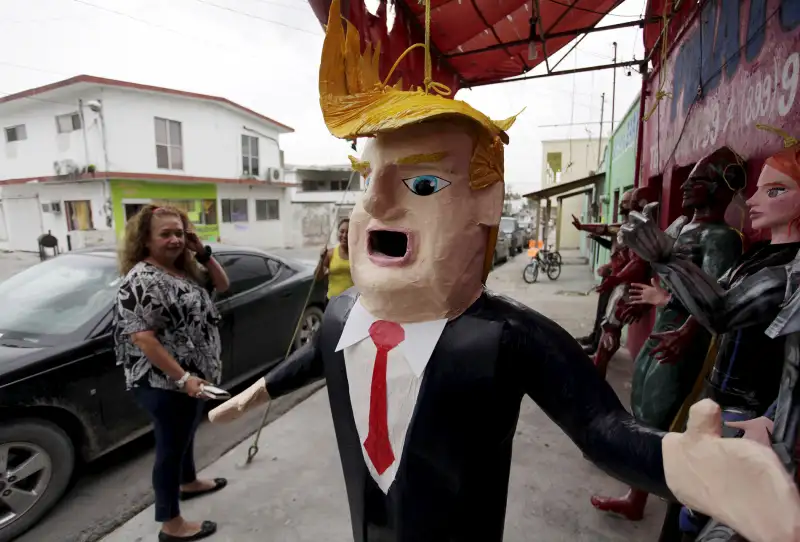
294 492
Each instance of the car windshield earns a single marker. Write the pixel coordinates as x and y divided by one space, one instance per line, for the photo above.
57 297
507 225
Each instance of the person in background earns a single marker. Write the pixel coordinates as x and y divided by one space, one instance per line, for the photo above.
166 338
336 263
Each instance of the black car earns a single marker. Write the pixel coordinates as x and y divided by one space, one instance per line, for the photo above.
62 395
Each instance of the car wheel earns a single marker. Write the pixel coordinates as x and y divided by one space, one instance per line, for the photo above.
309 326
37 460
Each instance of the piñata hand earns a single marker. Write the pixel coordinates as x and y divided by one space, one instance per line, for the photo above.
670 346
237 405
738 482
648 294
632 313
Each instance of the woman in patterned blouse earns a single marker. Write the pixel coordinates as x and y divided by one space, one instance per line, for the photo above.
167 339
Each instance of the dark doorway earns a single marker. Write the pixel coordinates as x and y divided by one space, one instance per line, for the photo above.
131 209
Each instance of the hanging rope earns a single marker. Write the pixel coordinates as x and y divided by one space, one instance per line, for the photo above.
253 450
661 93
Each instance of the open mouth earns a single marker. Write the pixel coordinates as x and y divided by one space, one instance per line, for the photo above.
388 247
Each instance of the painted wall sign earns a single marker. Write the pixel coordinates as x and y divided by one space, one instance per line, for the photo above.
625 135
738 64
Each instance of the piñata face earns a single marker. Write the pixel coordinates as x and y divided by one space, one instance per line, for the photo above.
776 202
419 228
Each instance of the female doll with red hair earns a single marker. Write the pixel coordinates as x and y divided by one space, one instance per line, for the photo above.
746 374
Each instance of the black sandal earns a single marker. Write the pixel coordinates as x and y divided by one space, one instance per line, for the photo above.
206 529
219 483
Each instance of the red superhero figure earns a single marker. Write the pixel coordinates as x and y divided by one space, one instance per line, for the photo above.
624 269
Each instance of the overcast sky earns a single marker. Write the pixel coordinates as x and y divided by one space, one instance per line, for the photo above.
264 54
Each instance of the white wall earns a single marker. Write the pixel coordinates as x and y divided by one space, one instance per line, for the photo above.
582 153
253 233
26 228
211 134
34 156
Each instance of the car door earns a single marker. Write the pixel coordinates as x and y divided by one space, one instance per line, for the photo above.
254 306
292 295
123 419
226 327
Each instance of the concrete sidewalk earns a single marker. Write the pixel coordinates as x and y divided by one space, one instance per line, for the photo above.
294 490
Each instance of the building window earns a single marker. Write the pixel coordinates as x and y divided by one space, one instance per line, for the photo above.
268 209
340 186
68 123
199 212
554 165
169 144
250 156
310 186
16 133
234 210
79 215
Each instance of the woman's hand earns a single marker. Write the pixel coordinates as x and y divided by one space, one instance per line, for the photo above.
577 222
648 294
193 242
193 386
758 429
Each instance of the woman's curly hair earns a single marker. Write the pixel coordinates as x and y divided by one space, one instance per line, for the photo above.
137 233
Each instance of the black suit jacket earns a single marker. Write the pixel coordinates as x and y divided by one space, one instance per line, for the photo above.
452 482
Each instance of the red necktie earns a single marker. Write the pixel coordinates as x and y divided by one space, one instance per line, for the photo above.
385 335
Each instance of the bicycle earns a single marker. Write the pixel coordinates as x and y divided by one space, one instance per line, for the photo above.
546 259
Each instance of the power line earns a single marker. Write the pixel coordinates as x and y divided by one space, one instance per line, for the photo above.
250 15
301 7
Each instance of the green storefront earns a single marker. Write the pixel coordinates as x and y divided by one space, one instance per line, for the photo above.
620 168
198 200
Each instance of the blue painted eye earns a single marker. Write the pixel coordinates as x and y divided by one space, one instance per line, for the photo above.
425 185
366 181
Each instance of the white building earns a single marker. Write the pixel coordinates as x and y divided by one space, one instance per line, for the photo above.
323 195
564 161
82 155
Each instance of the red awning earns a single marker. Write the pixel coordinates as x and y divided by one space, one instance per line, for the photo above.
473 41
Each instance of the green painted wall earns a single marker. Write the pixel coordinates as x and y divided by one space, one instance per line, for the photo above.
620 165
122 189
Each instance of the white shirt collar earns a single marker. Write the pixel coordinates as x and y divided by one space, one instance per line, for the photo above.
420 337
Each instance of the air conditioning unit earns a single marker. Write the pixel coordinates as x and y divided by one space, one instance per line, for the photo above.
274 175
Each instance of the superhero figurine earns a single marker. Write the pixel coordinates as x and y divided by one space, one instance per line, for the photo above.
626 269
426 369
634 199
606 236
746 373
659 389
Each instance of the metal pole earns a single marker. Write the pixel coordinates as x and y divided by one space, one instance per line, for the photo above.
614 90
83 129
600 137
103 127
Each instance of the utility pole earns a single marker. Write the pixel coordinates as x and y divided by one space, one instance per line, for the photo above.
614 89
600 138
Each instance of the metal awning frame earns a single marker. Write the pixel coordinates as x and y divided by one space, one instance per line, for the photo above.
541 36
566 188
